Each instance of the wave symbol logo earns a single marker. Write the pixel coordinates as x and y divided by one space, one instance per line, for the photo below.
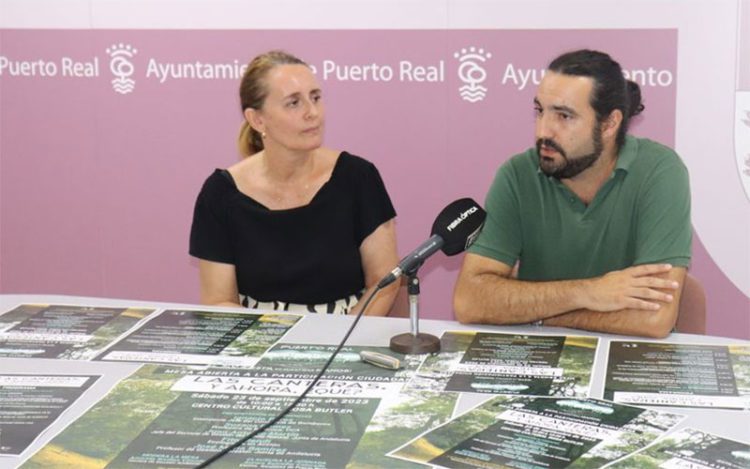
122 67
472 73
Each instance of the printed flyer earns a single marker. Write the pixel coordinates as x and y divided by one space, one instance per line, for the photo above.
680 375
690 448
64 331
399 416
399 419
539 432
188 337
30 403
170 417
532 365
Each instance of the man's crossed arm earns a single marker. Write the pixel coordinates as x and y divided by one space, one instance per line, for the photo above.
641 300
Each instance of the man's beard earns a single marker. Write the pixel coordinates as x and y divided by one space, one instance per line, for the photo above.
571 167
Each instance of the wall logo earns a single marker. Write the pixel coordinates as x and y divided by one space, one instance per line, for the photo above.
122 67
472 73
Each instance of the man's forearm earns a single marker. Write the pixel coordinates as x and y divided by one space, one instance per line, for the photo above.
498 299
493 299
655 324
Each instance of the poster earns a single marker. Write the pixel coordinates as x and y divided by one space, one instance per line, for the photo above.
690 448
64 331
30 403
483 362
166 416
399 416
399 419
687 375
190 337
538 432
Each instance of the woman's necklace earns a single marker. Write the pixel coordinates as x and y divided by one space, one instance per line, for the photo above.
292 194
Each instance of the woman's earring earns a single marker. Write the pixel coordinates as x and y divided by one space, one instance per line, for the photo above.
263 135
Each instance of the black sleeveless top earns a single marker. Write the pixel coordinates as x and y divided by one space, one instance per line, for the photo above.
302 255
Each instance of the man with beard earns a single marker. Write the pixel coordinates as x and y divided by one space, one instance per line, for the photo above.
590 229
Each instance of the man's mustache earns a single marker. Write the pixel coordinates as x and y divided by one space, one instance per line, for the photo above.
547 142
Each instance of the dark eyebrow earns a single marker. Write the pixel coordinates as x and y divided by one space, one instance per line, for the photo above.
565 109
558 108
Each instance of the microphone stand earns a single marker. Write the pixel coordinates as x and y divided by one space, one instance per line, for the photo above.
414 342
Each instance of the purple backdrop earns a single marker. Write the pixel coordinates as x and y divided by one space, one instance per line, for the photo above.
97 185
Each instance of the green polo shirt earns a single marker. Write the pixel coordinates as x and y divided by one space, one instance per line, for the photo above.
641 215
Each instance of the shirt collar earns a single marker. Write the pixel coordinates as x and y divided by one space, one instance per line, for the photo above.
627 154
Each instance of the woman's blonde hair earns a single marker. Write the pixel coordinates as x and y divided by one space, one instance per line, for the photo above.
253 93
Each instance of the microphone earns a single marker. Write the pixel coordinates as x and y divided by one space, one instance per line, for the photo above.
454 230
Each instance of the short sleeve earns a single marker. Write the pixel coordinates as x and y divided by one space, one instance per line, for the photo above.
210 233
374 203
664 232
501 237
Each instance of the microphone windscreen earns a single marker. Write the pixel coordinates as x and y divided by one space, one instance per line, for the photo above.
459 225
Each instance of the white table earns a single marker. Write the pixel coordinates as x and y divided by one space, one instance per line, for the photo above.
322 329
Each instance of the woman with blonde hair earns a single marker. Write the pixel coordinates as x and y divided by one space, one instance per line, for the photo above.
294 226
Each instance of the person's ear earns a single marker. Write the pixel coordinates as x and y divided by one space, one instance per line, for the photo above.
255 119
611 124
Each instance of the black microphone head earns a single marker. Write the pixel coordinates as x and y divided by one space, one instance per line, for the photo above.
459 225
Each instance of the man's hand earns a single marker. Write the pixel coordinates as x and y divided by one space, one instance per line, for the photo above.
640 287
